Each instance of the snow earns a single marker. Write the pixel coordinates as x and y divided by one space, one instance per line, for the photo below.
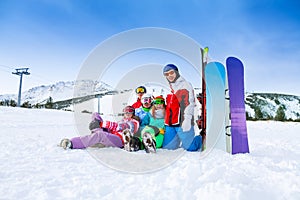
34 167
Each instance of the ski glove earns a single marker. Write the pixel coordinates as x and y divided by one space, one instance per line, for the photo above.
186 124
122 126
126 125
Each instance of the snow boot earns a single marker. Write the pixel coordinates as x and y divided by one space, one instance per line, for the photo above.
66 144
131 143
149 143
126 135
96 121
135 143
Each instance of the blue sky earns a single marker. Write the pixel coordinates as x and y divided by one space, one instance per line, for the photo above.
54 37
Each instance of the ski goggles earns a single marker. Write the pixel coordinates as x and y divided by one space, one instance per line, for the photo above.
159 101
140 90
170 73
147 100
128 110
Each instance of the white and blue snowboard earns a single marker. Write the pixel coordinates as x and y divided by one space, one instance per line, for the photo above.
215 105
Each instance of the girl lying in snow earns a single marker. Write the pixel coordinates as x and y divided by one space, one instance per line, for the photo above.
107 133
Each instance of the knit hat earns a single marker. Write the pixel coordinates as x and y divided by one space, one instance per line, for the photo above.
169 67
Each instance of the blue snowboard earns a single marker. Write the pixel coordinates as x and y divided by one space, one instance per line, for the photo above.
215 105
238 128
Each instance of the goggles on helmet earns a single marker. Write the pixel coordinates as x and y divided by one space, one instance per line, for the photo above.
128 109
159 101
140 90
147 100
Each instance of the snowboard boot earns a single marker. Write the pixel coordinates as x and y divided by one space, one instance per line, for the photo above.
96 122
126 135
66 144
135 143
149 143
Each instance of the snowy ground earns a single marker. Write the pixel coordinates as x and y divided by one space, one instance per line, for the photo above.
33 167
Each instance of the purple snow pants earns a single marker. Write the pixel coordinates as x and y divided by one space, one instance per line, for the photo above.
97 136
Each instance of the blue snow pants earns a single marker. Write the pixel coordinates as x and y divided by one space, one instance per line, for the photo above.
174 135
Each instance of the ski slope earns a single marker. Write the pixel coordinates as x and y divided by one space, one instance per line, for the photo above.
33 167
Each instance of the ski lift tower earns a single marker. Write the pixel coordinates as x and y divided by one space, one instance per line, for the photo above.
20 72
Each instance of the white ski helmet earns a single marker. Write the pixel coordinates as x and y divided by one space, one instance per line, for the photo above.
147 98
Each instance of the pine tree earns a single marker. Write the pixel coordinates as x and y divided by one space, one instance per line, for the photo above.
49 103
12 103
248 116
26 105
280 114
258 114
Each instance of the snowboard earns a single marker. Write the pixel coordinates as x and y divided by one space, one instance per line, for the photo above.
202 125
215 105
227 118
236 127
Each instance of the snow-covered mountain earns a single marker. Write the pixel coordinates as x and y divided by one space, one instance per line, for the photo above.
59 91
268 105
259 106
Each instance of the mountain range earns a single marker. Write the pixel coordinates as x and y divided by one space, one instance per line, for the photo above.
59 91
259 106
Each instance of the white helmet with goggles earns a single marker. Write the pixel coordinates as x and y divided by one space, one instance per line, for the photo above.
147 98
